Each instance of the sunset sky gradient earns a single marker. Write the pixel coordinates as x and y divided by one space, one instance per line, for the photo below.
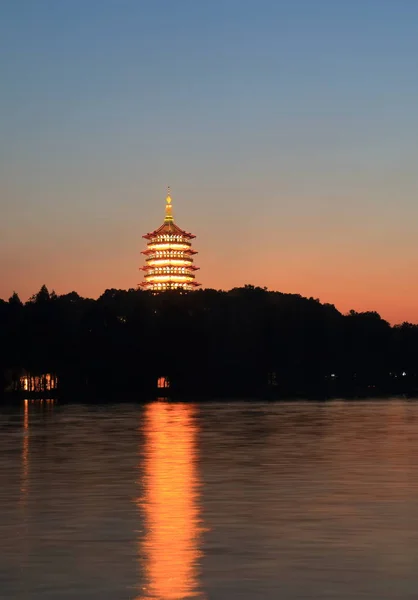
287 130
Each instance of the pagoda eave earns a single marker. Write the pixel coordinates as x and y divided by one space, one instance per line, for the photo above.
187 252
168 229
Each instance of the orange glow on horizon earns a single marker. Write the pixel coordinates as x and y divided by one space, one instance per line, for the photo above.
170 503
302 257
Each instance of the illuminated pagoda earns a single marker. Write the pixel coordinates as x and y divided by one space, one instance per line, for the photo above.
169 256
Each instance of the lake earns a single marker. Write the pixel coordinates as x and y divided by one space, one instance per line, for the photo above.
212 501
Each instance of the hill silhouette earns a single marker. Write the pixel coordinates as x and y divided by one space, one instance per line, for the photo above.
241 342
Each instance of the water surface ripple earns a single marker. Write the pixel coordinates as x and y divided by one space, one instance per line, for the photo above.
165 501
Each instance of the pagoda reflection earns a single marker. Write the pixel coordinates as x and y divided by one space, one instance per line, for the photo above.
169 552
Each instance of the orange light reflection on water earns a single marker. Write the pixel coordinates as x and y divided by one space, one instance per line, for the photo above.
25 451
170 550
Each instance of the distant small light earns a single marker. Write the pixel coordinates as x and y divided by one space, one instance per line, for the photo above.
403 374
333 375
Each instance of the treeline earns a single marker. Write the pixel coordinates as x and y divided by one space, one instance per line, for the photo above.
240 342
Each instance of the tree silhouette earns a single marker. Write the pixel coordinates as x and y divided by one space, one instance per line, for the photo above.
243 342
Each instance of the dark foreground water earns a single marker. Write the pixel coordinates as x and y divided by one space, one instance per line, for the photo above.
170 501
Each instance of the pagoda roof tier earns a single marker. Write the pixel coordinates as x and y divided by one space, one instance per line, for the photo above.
166 261
189 251
169 228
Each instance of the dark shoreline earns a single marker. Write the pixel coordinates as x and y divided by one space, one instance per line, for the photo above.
133 396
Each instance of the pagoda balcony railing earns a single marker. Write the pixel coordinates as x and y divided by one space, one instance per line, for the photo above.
163 277
187 285
169 245
170 273
173 241
171 268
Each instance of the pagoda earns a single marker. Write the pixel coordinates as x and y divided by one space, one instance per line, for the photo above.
169 256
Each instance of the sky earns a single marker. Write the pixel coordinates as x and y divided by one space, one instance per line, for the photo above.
287 130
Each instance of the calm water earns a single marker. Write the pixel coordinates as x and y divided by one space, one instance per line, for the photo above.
170 501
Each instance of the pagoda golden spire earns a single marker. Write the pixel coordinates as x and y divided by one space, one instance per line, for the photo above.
168 207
